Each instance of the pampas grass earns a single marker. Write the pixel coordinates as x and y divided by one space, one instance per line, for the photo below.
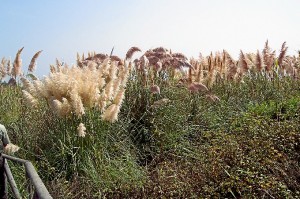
3 71
16 70
282 55
111 113
74 90
131 51
243 64
29 99
32 64
11 148
99 81
259 62
81 130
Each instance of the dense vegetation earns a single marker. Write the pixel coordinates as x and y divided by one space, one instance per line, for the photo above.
220 129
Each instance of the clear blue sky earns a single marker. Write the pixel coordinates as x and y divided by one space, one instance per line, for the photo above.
61 28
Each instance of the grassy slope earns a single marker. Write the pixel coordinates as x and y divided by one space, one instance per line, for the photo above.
246 145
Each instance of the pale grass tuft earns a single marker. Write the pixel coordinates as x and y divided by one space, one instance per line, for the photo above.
119 97
62 109
74 90
3 61
9 68
123 75
77 103
116 86
11 148
28 86
108 89
111 113
39 89
56 106
3 71
66 107
81 130
102 102
29 99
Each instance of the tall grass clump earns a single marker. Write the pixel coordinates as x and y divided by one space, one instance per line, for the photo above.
70 91
161 125
77 105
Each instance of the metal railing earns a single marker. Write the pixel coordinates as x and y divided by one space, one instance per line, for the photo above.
36 187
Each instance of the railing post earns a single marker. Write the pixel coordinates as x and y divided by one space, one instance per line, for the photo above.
38 184
29 185
11 180
3 182
35 185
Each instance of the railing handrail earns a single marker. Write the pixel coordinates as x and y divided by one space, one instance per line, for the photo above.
31 173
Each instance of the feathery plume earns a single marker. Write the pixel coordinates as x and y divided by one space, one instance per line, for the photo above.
29 99
76 90
179 56
243 64
27 85
32 64
77 103
282 54
232 69
16 70
268 57
2 69
160 50
131 51
56 107
258 62
108 90
52 69
11 148
119 97
9 68
81 130
111 113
